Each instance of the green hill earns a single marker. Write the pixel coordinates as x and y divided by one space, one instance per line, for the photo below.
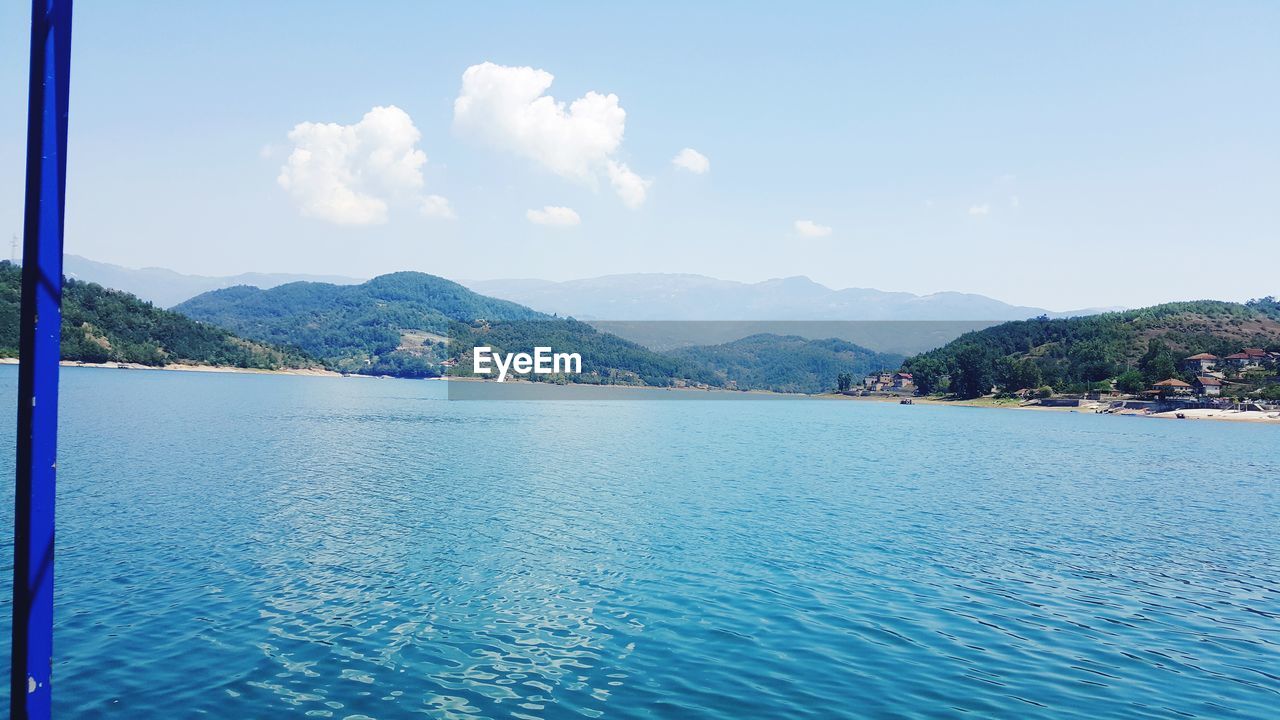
1129 349
102 325
409 324
606 358
784 363
395 324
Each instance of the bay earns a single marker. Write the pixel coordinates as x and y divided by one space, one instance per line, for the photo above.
262 546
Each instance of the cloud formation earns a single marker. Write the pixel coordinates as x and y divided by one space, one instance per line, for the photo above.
553 215
508 107
347 174
979 210
437 207
809 228
691 160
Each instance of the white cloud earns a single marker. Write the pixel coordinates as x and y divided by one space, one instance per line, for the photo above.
630 187
1014 201
553 215
692 160
508 107
979 210
809 228
437 207
348 174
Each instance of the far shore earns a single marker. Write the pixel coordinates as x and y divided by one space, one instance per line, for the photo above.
1251 416
1215 414
187 367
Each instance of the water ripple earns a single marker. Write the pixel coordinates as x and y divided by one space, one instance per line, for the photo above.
250 546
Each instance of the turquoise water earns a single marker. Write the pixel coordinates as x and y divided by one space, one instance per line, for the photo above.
263 546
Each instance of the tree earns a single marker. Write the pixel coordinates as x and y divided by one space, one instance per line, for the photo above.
928 374
844 381
974 371
1267 305
1013 375
1130 382
1158 363
1091 361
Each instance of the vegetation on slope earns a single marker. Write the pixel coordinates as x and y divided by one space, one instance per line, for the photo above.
417 325
102 325
606 358
409 324
1129 350
785 363
357 328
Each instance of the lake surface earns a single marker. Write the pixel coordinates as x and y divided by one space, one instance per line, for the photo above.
262 546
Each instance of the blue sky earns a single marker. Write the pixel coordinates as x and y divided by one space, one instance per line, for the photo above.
1060 155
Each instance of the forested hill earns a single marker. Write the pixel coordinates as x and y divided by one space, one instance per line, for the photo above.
417 325
785 363
1131 349
102 325
409 324
402 299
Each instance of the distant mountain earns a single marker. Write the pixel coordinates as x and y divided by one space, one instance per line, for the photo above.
102 325
1130 349
167 288
903 337
659 296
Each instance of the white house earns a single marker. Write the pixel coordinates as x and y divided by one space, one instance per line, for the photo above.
1241 360
1208 386
1202 362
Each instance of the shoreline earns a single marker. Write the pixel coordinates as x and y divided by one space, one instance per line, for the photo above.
1239 416
1223 415
188 367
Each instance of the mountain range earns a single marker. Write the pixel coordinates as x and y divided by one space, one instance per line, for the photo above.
412 324
663 296
642 296
167 288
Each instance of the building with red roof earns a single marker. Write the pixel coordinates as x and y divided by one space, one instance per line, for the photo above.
1201 362
1172 386
1208 386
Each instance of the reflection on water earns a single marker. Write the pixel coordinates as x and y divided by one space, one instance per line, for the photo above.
256 546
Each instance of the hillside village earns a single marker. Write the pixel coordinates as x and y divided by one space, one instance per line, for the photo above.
1248 379
1211 376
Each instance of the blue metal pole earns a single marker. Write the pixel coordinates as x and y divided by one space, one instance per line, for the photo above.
41 331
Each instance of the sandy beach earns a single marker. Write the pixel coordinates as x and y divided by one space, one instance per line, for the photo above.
1253 416
1216 414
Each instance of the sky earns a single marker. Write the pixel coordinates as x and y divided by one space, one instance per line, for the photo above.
1060 155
